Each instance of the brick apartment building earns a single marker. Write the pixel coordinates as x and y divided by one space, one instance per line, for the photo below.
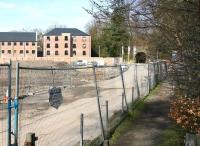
18 45
66 42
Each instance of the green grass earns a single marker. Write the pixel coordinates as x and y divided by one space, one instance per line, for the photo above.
173 136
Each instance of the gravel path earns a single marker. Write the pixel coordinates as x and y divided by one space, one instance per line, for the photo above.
148 128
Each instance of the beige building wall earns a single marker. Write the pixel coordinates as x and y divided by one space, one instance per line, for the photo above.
83 46
18 49
77 46
61 45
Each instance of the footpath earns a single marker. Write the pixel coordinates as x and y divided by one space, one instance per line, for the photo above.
148 128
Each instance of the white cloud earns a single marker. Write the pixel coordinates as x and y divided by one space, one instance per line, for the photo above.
6 5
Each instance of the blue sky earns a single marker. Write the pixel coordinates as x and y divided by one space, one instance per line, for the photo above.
30 14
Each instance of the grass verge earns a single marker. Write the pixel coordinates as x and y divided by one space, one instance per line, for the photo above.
135 111
173 136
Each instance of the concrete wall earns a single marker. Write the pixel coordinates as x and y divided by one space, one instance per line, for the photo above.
107 61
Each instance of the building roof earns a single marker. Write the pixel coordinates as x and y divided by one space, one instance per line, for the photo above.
18 36
72 31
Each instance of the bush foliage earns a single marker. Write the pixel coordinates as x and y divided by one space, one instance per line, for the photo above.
186 112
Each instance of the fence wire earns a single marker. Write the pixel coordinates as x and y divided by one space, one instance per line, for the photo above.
81 88
4 69
56 126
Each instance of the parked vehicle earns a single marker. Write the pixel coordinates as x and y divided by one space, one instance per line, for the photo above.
124 67
81 63
100 63
91 64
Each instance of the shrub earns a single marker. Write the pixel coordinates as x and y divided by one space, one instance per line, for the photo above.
186 112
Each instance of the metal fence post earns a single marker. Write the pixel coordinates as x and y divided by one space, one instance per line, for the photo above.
132 94
81 129
9 103
122 102
106 141
160 72
166 71
138 88
149 78
157 73
124 91
107 116
52 77
16 107
98 103
107 121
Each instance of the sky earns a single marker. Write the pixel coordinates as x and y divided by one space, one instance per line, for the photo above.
17 15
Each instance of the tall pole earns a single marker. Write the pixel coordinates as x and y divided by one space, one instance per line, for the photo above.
129 48
124 90
99 51
9 103
157 54
122 53
16 107
138 88
98 103
81 129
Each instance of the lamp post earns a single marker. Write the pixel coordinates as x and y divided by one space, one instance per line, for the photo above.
99 51
122 53
134 51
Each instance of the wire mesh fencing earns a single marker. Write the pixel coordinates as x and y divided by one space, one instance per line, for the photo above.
55 119
5 87
51 101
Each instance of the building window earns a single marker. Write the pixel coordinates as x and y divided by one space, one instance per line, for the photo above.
66 52
33 43
48 45
74 52
56 45
84 52
27 51
48 52
9 43
56 52
74 39
9 51
15 51
74 45
15 43
21 51
48 38
66 38
84 46
66 45
84 39
21 43
56 38
2 43
2 51
33 51
26 43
